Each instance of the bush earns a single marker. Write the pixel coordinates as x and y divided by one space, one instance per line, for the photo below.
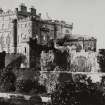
29 86
78 93
38 88
49 80
7 81
24 85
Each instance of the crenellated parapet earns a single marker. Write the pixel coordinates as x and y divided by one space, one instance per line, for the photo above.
7 13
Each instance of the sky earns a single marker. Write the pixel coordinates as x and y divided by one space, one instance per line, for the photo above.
88 16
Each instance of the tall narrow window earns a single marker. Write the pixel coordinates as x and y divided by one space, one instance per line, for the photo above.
25 50
21 35
2 26
25 25
44 37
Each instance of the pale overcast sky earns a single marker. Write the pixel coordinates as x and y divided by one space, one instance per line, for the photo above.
88 16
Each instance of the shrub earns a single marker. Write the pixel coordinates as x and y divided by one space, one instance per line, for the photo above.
71 93
24 85
7 81
49 80
38 88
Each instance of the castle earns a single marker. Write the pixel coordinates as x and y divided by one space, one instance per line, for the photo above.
19 27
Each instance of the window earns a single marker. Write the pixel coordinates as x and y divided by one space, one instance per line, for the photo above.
29 24
6 25
21 25
18 25
6 18
44 38
25 50
8 40
25 36
21 35
29 31
1 18
2 26
66 31
18 39
10 25
25 25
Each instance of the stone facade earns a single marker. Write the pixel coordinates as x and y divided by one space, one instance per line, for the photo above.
78 43
54 29
33 27
18 27
47 31
7 32
24 33
9 26
63 29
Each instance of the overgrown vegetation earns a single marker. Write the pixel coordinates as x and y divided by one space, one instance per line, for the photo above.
82 91
7 81
23 82
65 88
49 80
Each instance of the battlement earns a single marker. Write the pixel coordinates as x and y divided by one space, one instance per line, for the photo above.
6 13
21 11
24 11
82 37
63 23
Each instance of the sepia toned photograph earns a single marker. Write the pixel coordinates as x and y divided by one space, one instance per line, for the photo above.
52 52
